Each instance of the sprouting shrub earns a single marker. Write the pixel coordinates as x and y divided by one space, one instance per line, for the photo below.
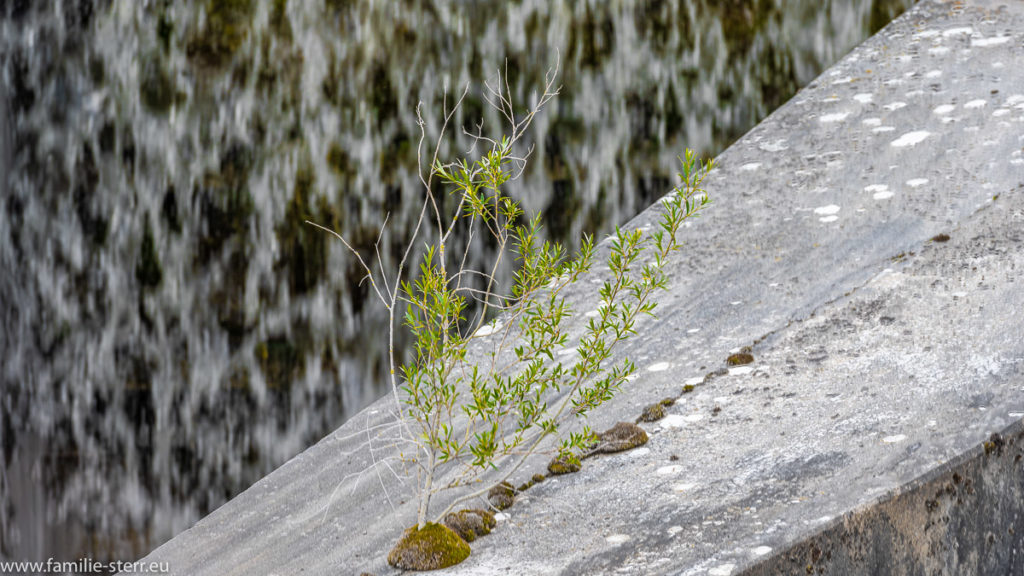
467 418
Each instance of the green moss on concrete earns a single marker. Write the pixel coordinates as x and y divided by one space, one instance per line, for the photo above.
739 359
470 524
434 547
564 465
502 496
623 436
655 411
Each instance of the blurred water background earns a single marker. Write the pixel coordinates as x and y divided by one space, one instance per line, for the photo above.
171 331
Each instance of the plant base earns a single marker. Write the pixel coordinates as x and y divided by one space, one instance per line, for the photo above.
432 548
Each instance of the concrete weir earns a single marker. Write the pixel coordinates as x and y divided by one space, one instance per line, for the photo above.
867 243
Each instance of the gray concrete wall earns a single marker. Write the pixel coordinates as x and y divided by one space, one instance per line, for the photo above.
885 357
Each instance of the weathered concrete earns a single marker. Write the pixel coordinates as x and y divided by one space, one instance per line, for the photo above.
884 358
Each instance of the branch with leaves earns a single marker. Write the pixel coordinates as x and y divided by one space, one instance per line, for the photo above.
472 417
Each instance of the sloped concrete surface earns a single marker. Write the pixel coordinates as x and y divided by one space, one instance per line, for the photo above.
885 358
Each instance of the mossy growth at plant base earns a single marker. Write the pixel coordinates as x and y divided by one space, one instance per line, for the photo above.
471 524
433 547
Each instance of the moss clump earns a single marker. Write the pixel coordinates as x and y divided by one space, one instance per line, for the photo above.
432 548
148 270
559 466
655 411
739 359
470 524
688 388
940 238
622 436
502 496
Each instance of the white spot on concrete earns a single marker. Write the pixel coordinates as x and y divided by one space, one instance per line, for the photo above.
743 370
669 470
637 453
881 129
914 93
883 195
687 487
694 381
673 421
836 117
933 74
938 50
567 351
871 121
993 41
894 439
659 367
592 314
1016 414
876 188
693 330
917 182
958 30
736 302
1015 99
894 106
673 530
751 166
827 219
762 550
1000 112
943 109
723 570
774 146
694 417
501 516
926 34
864 97
910 139
826 210
975 104
617 538
843 80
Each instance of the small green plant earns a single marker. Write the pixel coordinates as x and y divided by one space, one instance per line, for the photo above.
469 414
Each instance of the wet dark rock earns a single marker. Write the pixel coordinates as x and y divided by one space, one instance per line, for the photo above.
148 271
